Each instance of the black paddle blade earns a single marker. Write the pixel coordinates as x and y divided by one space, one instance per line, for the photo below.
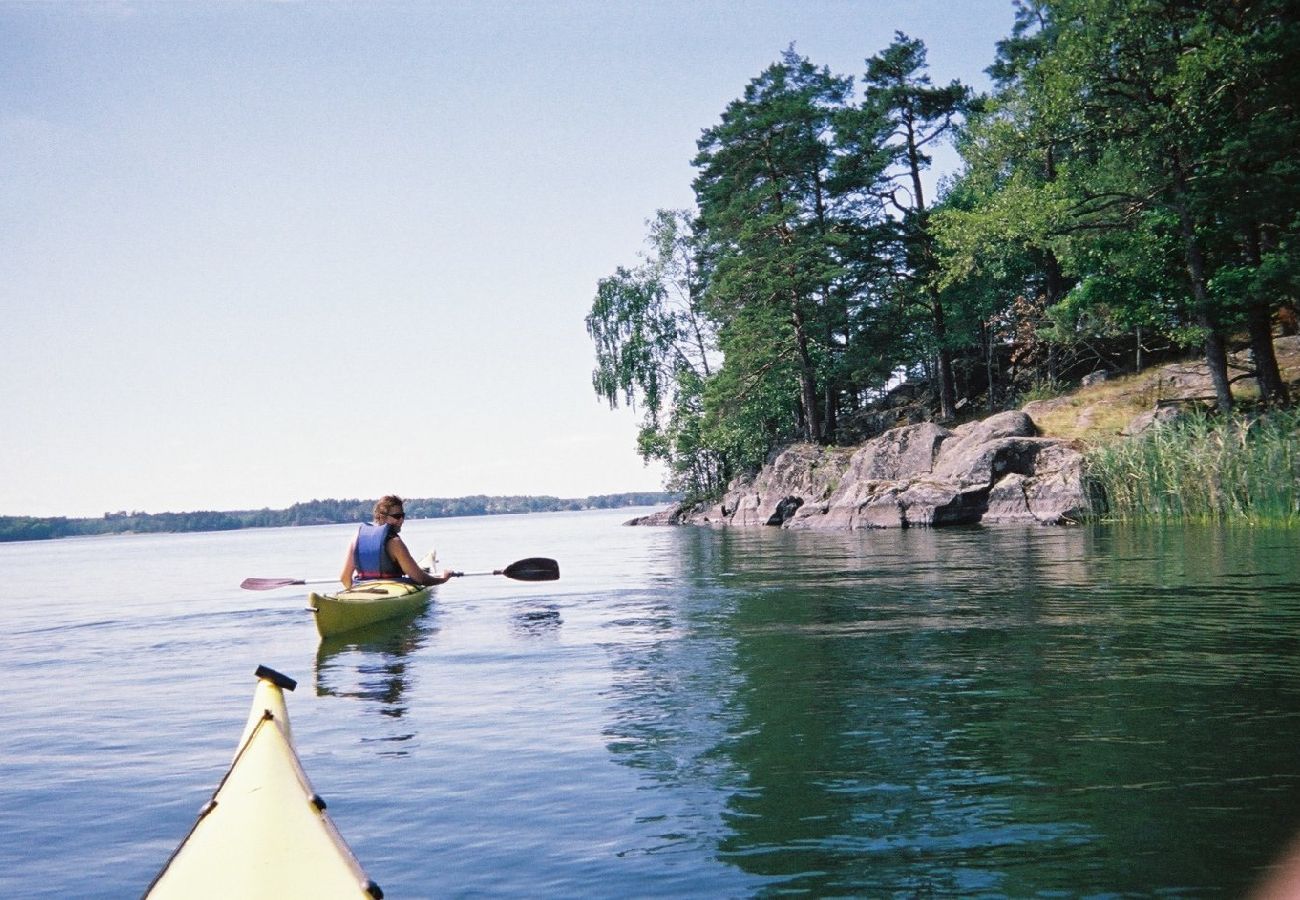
535 568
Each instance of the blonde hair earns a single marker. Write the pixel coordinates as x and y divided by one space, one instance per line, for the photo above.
388 505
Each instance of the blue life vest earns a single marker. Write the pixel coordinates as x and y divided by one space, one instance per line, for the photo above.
371 559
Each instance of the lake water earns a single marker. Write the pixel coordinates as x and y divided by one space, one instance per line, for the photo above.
686 713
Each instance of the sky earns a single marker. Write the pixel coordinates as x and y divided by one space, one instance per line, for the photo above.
259 253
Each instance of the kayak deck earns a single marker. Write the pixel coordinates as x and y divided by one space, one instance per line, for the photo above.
264 833
366 603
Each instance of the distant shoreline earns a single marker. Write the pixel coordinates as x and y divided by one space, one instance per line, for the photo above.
313 512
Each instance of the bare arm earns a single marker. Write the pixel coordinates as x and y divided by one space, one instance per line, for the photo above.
1281 880
402 556
349 566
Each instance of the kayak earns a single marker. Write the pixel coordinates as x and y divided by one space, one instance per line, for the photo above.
367 602
264 833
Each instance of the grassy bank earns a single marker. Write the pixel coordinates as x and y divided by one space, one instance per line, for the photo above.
1241 470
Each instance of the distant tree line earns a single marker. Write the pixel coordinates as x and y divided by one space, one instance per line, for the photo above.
1130 189
314 512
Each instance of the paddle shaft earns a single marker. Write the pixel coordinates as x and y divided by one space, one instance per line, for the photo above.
534 568
269 584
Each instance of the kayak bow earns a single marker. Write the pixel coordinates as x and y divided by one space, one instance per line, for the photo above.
264 833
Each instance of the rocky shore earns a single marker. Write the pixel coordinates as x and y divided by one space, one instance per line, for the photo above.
998 470
995 470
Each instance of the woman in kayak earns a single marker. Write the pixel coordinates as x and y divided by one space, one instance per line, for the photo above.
378 550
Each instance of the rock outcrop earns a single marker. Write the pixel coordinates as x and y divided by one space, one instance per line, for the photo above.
995 470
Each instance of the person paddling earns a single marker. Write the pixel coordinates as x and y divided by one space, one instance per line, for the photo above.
378 550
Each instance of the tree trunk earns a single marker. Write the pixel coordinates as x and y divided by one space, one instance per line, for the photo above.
920 219
1259 321
1272 389
1216 358
1216 349
830 416
807 383
989 368
943 362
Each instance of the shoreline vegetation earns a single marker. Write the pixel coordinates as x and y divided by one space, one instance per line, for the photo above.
1127 202
313 512
1238 470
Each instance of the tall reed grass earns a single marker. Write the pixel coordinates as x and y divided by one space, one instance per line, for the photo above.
1235 470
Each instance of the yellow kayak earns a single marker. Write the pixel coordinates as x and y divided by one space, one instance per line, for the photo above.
366 603
264 833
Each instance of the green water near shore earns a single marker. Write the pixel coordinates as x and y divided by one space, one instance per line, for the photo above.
688 712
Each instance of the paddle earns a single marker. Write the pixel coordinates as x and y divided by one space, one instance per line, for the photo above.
267 584
535 568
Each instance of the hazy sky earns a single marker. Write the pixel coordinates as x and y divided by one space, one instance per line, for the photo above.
259 253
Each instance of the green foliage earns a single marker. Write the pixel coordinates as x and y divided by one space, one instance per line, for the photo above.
697 466
903 115
1136 169
1039 391
777 215
1133 181
656 346
1186 159
646 322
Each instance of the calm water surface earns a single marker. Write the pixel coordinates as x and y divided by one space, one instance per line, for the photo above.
687 713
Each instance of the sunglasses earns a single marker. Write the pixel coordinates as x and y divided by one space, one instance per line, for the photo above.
400 515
